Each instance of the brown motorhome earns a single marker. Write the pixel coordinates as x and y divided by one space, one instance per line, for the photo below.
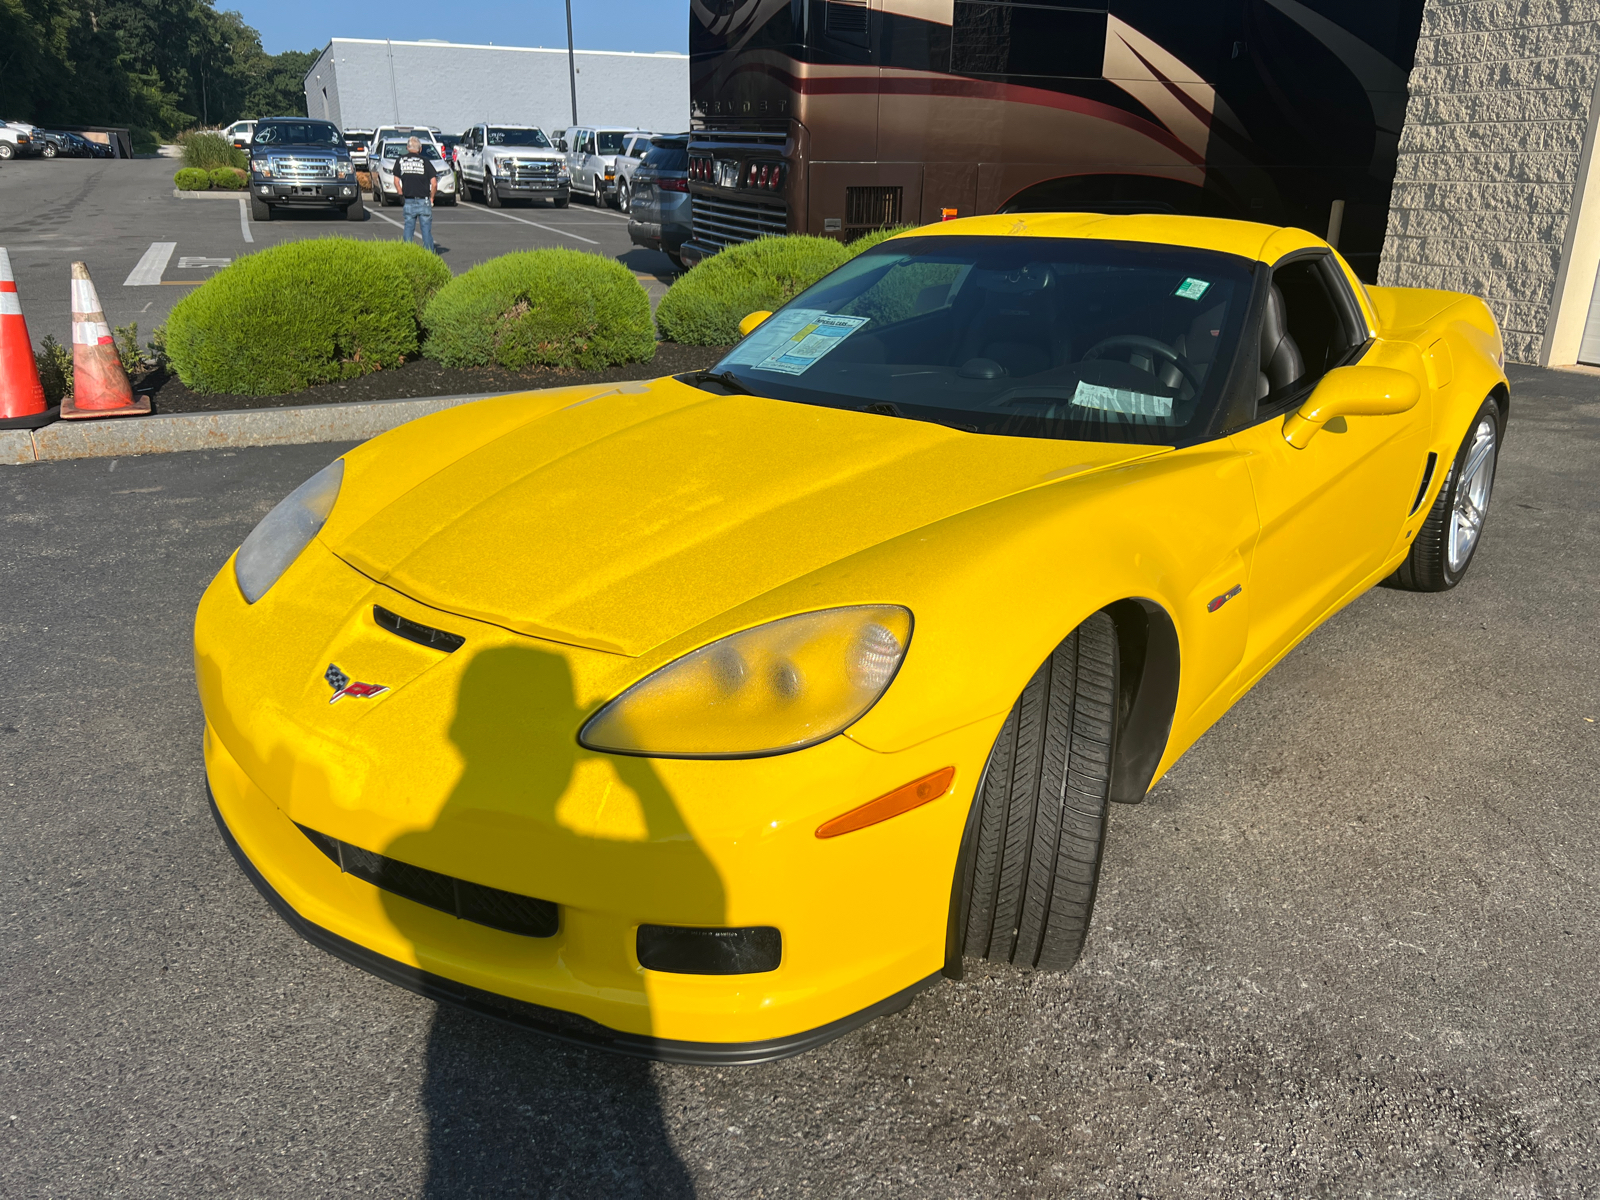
836 117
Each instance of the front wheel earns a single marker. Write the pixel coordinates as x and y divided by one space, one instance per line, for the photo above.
356 211
1031 856
260 210
491 194
49 151
1443 550
624 197
6 151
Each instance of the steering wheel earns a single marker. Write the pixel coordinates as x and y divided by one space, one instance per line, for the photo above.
1161 350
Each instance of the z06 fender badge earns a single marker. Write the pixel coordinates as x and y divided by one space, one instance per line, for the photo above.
1216 602
341 685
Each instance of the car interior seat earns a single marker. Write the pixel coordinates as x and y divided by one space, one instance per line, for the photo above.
1281 362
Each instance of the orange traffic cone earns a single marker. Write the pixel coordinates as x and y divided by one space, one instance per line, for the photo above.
22 402
100 386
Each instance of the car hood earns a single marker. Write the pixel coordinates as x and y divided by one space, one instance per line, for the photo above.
627 518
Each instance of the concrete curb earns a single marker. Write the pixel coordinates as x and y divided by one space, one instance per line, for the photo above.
167 432
213 194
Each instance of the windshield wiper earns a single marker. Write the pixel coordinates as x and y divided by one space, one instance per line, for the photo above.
726 378
887 408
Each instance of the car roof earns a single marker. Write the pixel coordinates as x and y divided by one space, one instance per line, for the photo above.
1246 239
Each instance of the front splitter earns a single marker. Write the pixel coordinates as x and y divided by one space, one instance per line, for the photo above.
553 1022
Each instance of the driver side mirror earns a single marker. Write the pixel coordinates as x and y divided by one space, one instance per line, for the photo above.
1351 392
752 321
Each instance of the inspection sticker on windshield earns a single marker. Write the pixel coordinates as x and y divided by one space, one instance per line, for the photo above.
805 347
1192 288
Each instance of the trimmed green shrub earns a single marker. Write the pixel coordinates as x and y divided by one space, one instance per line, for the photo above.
704 307
192 179
208 151
296 314
546 308
55 369
423 270
229 178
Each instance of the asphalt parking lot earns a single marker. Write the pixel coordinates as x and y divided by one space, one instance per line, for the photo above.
111 212
1347 948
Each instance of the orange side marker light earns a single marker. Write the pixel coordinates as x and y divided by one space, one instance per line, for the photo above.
903 799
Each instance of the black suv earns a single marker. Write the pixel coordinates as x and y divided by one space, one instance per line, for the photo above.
296 162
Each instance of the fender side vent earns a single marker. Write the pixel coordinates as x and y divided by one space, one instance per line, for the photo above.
424 635
508 912
1427 478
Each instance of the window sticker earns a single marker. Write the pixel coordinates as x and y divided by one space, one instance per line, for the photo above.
1120 400
1192 288
798 341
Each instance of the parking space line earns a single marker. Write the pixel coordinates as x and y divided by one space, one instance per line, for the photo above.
147 273
477 206
244 219
577 237
386 217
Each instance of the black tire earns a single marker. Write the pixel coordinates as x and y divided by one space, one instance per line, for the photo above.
491 195
676 261
356 211
1038 825
260 210
561 201
1427 566
448 201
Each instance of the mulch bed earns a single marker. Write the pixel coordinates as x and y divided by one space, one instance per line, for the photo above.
423 377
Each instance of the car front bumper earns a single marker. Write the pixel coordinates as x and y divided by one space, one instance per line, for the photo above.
469 767
338 192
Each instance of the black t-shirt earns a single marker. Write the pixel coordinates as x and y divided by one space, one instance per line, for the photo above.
414 173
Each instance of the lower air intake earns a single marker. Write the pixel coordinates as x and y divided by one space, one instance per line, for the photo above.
686 951
506 911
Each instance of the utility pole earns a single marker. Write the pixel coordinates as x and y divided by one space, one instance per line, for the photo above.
572 64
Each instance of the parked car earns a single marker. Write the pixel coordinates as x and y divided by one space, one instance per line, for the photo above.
239 134
384 133
357 141
634 148
659 216
17 140
592 159
61 144
503 162
296 162
384 188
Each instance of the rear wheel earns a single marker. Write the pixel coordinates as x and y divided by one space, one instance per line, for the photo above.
1444 546
260 210
1034 839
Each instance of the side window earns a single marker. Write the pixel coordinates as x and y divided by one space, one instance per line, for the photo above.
1306 331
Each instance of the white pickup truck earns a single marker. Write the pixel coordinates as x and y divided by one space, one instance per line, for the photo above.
505 162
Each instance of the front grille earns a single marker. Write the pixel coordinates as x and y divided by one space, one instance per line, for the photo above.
684 950
286 167
871 207
509 912
721 223
530 170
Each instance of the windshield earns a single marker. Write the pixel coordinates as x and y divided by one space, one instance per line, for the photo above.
519 137
396 149
1021 336
297 133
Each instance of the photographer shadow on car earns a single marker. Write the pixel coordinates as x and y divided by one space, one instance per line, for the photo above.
511 1111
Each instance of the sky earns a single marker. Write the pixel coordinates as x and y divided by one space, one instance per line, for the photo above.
596 24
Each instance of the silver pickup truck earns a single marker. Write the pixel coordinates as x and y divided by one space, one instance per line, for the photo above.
504 162
300 163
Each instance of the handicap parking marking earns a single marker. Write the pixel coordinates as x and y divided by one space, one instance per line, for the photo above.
190 262
148 271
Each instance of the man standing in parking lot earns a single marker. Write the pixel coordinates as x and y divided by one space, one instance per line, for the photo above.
418 183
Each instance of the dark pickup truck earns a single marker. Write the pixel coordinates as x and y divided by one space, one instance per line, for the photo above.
300 163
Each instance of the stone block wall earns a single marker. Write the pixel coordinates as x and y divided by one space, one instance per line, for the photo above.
1490 155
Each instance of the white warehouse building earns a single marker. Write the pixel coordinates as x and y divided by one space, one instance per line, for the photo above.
361 83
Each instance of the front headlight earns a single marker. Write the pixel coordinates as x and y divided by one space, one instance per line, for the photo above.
285 531
778 687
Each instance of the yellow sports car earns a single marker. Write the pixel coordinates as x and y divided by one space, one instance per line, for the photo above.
709 717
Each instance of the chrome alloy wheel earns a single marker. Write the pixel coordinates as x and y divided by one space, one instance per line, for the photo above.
1472 495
